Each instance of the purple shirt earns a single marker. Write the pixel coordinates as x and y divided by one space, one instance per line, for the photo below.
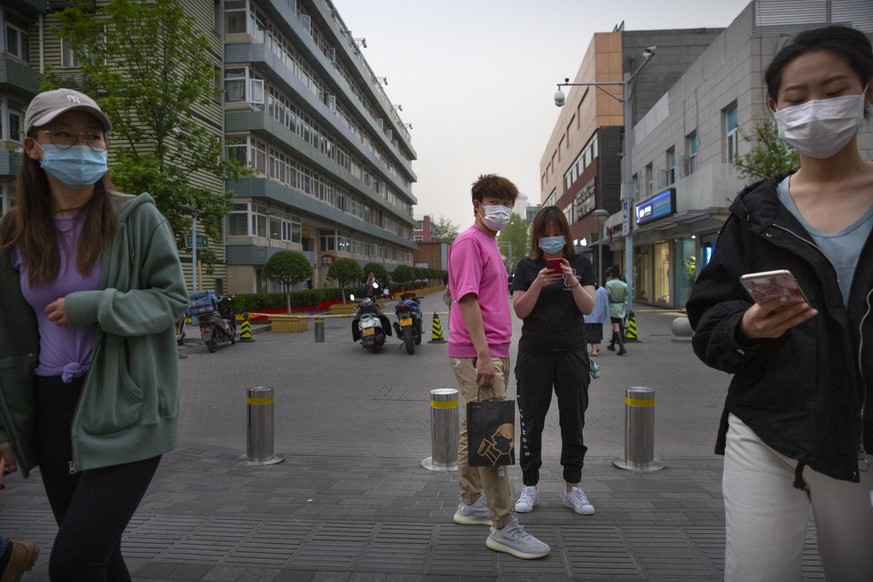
63 351
476 267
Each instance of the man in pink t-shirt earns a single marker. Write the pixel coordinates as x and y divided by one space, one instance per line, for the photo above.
481 326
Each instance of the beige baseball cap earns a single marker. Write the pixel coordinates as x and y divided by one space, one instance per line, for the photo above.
48 105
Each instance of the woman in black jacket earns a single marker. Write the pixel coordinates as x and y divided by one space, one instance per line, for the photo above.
797 430
552 354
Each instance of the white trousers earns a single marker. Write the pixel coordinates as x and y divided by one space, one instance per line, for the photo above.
766 517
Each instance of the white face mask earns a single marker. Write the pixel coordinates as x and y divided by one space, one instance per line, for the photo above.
496 216
822 127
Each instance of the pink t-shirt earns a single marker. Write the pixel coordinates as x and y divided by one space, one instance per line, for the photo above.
475 266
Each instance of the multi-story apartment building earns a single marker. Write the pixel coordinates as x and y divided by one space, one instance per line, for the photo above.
580 170
301 107
333 158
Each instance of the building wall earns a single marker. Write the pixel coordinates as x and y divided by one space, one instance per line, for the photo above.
331 152
433 255
730 72
580 170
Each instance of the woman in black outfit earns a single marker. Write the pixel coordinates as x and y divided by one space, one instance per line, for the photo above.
552 353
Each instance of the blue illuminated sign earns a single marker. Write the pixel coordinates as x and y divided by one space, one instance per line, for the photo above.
658 206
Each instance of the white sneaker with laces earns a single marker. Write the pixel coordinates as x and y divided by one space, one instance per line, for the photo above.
528 498
473 514
513 540
576 500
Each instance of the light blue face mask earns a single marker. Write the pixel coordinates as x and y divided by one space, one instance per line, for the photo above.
552 244
77 167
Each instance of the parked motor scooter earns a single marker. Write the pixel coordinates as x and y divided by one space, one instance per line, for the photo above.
370 325
217 320
408 324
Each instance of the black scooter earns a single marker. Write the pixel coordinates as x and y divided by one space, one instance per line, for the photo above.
370 325
216 317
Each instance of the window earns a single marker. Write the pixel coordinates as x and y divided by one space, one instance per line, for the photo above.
238 220
636 186
234 16
241 84
16 126
671 166
327 240
731 134
17 38
68 57
691 153
650 179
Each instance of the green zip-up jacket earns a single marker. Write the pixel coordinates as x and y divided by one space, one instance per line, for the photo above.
129 405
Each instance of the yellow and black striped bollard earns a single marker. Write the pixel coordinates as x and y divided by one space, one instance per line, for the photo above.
436 335
245 330
630 334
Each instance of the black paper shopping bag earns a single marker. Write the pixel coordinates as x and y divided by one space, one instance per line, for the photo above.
491 433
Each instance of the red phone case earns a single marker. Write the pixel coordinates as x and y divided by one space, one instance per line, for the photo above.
554 264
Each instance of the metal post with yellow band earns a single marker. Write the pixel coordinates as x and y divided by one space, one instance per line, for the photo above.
259 441
444 430
639 431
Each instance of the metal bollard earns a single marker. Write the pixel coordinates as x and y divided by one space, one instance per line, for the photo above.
444 429
319 330
639 431
259 443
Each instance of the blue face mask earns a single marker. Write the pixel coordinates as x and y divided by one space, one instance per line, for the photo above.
552 244
77 167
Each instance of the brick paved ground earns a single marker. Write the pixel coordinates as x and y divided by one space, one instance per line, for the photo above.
351 502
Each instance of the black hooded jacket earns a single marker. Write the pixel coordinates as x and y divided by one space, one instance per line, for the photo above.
803 393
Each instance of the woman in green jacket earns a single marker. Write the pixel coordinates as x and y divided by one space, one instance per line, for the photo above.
91 286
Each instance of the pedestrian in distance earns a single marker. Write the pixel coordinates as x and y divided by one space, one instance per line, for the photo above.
594 321
797 427
616 291
552 355
372 286
478 351
92 286
16 556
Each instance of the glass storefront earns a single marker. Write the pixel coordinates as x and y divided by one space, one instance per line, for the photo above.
661 274
685 269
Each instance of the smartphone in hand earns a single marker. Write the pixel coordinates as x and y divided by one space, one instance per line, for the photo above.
772 284
554 265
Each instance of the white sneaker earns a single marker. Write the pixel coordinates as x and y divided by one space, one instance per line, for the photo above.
473 514
578 501
513 540
528 498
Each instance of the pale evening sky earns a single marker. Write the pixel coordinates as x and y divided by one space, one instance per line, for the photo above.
476 78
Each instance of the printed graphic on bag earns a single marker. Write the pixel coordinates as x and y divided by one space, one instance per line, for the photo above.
491 433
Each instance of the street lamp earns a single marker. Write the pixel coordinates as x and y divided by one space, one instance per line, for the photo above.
627 196
193 212
600 215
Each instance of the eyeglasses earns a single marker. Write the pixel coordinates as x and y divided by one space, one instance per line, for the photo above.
66 139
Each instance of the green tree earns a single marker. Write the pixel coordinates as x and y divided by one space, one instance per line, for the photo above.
344 271
443 231
403 274
289 268
513 241
770 154
148 66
